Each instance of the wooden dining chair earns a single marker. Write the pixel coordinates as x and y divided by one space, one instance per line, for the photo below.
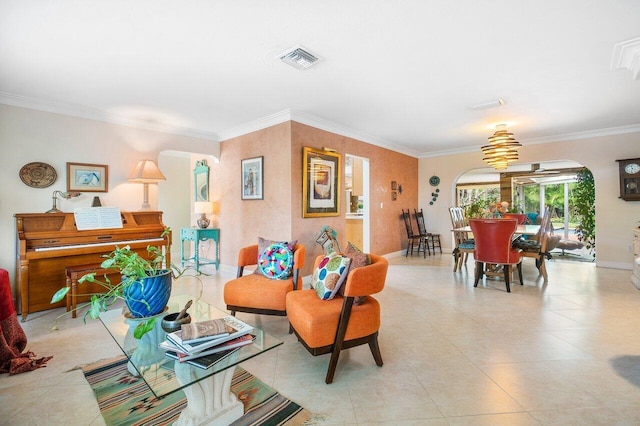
493 246
538 246
412 237
430 239
463 244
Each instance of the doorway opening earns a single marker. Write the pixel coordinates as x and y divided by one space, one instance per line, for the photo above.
529 189
357 206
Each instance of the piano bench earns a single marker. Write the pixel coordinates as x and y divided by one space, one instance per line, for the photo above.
73 273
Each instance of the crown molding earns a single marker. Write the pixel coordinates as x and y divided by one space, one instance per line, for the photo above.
313 121
631 128
349 132
81 111
442 153
274 119
255 125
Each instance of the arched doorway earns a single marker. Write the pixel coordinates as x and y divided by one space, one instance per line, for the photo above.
529 188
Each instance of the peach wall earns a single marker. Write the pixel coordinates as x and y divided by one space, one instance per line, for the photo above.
279 215
242 221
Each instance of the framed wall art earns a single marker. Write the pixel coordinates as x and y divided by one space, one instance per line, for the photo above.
320 183
87 177
252 178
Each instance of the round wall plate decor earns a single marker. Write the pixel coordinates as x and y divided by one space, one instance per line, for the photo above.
434 180
38 175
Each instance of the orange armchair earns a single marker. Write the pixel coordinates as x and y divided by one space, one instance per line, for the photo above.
329 326
257 294
493 245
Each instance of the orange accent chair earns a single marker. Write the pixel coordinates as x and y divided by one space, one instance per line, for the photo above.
329 326
493 246
257 294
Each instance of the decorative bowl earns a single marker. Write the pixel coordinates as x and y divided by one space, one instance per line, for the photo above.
169 323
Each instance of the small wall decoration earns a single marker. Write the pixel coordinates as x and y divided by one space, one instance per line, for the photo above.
434 197
252 178
394 185
38 175
434 181
394 195
320 183
83 177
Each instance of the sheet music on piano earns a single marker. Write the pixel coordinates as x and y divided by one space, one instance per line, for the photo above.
97 218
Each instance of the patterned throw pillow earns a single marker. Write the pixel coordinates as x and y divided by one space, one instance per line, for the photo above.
275 259
329 275
358 259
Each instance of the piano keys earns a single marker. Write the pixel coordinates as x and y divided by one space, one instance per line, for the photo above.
46 243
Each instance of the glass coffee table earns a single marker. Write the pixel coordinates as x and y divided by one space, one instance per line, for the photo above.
208 391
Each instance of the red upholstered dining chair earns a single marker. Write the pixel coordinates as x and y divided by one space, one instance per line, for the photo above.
520 217
493 246
329 326
257 294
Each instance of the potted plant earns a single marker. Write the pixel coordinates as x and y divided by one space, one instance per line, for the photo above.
145 285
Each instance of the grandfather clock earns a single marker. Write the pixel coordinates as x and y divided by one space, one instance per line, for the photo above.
629 179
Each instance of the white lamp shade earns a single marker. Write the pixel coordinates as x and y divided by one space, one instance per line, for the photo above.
146 171
203 207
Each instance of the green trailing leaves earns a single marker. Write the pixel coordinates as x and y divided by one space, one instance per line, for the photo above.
143 328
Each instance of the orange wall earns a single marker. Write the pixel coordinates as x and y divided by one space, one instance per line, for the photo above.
279 215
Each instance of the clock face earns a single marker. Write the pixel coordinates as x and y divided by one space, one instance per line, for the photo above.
632 168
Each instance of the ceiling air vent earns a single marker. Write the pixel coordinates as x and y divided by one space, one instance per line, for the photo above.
300 58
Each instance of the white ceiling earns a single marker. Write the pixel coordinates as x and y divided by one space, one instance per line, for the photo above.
398 74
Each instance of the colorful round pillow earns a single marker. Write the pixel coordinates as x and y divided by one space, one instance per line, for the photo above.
276 261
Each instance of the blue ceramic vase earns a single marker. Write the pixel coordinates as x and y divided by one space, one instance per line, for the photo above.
148 296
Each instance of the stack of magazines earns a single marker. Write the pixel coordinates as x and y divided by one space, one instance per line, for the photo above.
207 342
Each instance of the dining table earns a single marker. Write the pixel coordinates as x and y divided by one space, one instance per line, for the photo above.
520 230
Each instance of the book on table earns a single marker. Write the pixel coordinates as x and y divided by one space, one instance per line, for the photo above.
205 330
206 361
232 344
240 329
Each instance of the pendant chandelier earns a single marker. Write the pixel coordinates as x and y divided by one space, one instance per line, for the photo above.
502 148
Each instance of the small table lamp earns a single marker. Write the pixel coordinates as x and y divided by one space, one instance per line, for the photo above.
202 208
146 172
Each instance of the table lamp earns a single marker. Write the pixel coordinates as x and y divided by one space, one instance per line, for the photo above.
202 208
146 172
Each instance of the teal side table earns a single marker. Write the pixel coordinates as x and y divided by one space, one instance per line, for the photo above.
197 235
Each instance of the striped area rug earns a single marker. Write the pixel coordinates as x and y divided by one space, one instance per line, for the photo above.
126 400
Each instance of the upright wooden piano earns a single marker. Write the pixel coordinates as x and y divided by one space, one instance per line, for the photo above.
46 243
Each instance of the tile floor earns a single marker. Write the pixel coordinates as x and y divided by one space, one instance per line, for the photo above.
562 353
